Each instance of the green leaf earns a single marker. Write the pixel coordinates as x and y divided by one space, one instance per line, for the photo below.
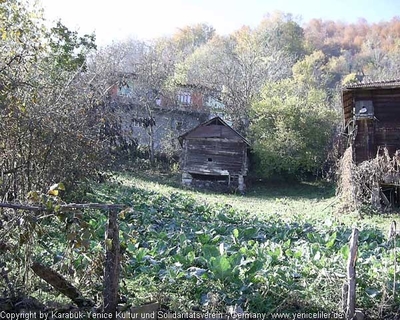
191 256
255 266
298 254
210 251
49 205
331 240
345 250
235 233
250 232
287 243
220 267
141 253
203 238
289 252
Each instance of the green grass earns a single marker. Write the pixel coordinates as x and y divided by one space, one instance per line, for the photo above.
312 201
281 247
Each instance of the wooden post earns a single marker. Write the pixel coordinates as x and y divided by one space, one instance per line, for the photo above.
186 179
351 276
376 196
345 294
241 183
393 236
111 264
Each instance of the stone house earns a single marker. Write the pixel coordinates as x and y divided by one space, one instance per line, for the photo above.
156 123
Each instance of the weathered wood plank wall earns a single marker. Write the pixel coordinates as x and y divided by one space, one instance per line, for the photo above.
381 131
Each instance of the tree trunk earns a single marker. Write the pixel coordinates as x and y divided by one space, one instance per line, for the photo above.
151 146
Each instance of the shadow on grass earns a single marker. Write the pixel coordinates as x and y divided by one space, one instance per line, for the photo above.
291 189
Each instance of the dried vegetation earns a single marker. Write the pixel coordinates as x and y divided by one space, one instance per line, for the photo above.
360 185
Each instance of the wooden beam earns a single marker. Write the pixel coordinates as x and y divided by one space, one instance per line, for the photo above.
351 275
63 207
111 265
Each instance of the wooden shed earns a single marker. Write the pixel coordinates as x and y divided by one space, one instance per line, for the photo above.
214 151
371 113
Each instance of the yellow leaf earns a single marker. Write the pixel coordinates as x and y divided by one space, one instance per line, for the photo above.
108 244
53 192
122 213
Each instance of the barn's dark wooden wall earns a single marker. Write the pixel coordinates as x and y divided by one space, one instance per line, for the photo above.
381 130
214 156
214 149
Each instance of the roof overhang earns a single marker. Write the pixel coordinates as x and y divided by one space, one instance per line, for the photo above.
183 136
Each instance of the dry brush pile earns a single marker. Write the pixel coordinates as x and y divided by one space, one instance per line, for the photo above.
358 184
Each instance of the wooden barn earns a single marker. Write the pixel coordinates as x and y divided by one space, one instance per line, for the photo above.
371 113
214 152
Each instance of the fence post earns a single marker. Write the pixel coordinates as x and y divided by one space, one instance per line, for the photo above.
351 276
111 264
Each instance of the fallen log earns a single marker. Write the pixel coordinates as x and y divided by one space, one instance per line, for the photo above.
60 284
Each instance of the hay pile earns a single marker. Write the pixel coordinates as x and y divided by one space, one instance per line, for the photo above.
358 185
347 191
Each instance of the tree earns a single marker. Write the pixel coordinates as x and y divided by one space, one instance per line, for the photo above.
378 63
281 31
236 66
312 72
142 69
292 123
48 128
191 37
152 70
68 49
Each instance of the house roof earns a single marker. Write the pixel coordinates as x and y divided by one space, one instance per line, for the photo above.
350 90
387 84
207 130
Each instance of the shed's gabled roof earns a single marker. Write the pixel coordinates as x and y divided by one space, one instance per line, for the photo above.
387 84
213 128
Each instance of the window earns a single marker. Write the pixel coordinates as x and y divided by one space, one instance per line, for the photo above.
179 125
125 89
137 122
364 109
184 98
